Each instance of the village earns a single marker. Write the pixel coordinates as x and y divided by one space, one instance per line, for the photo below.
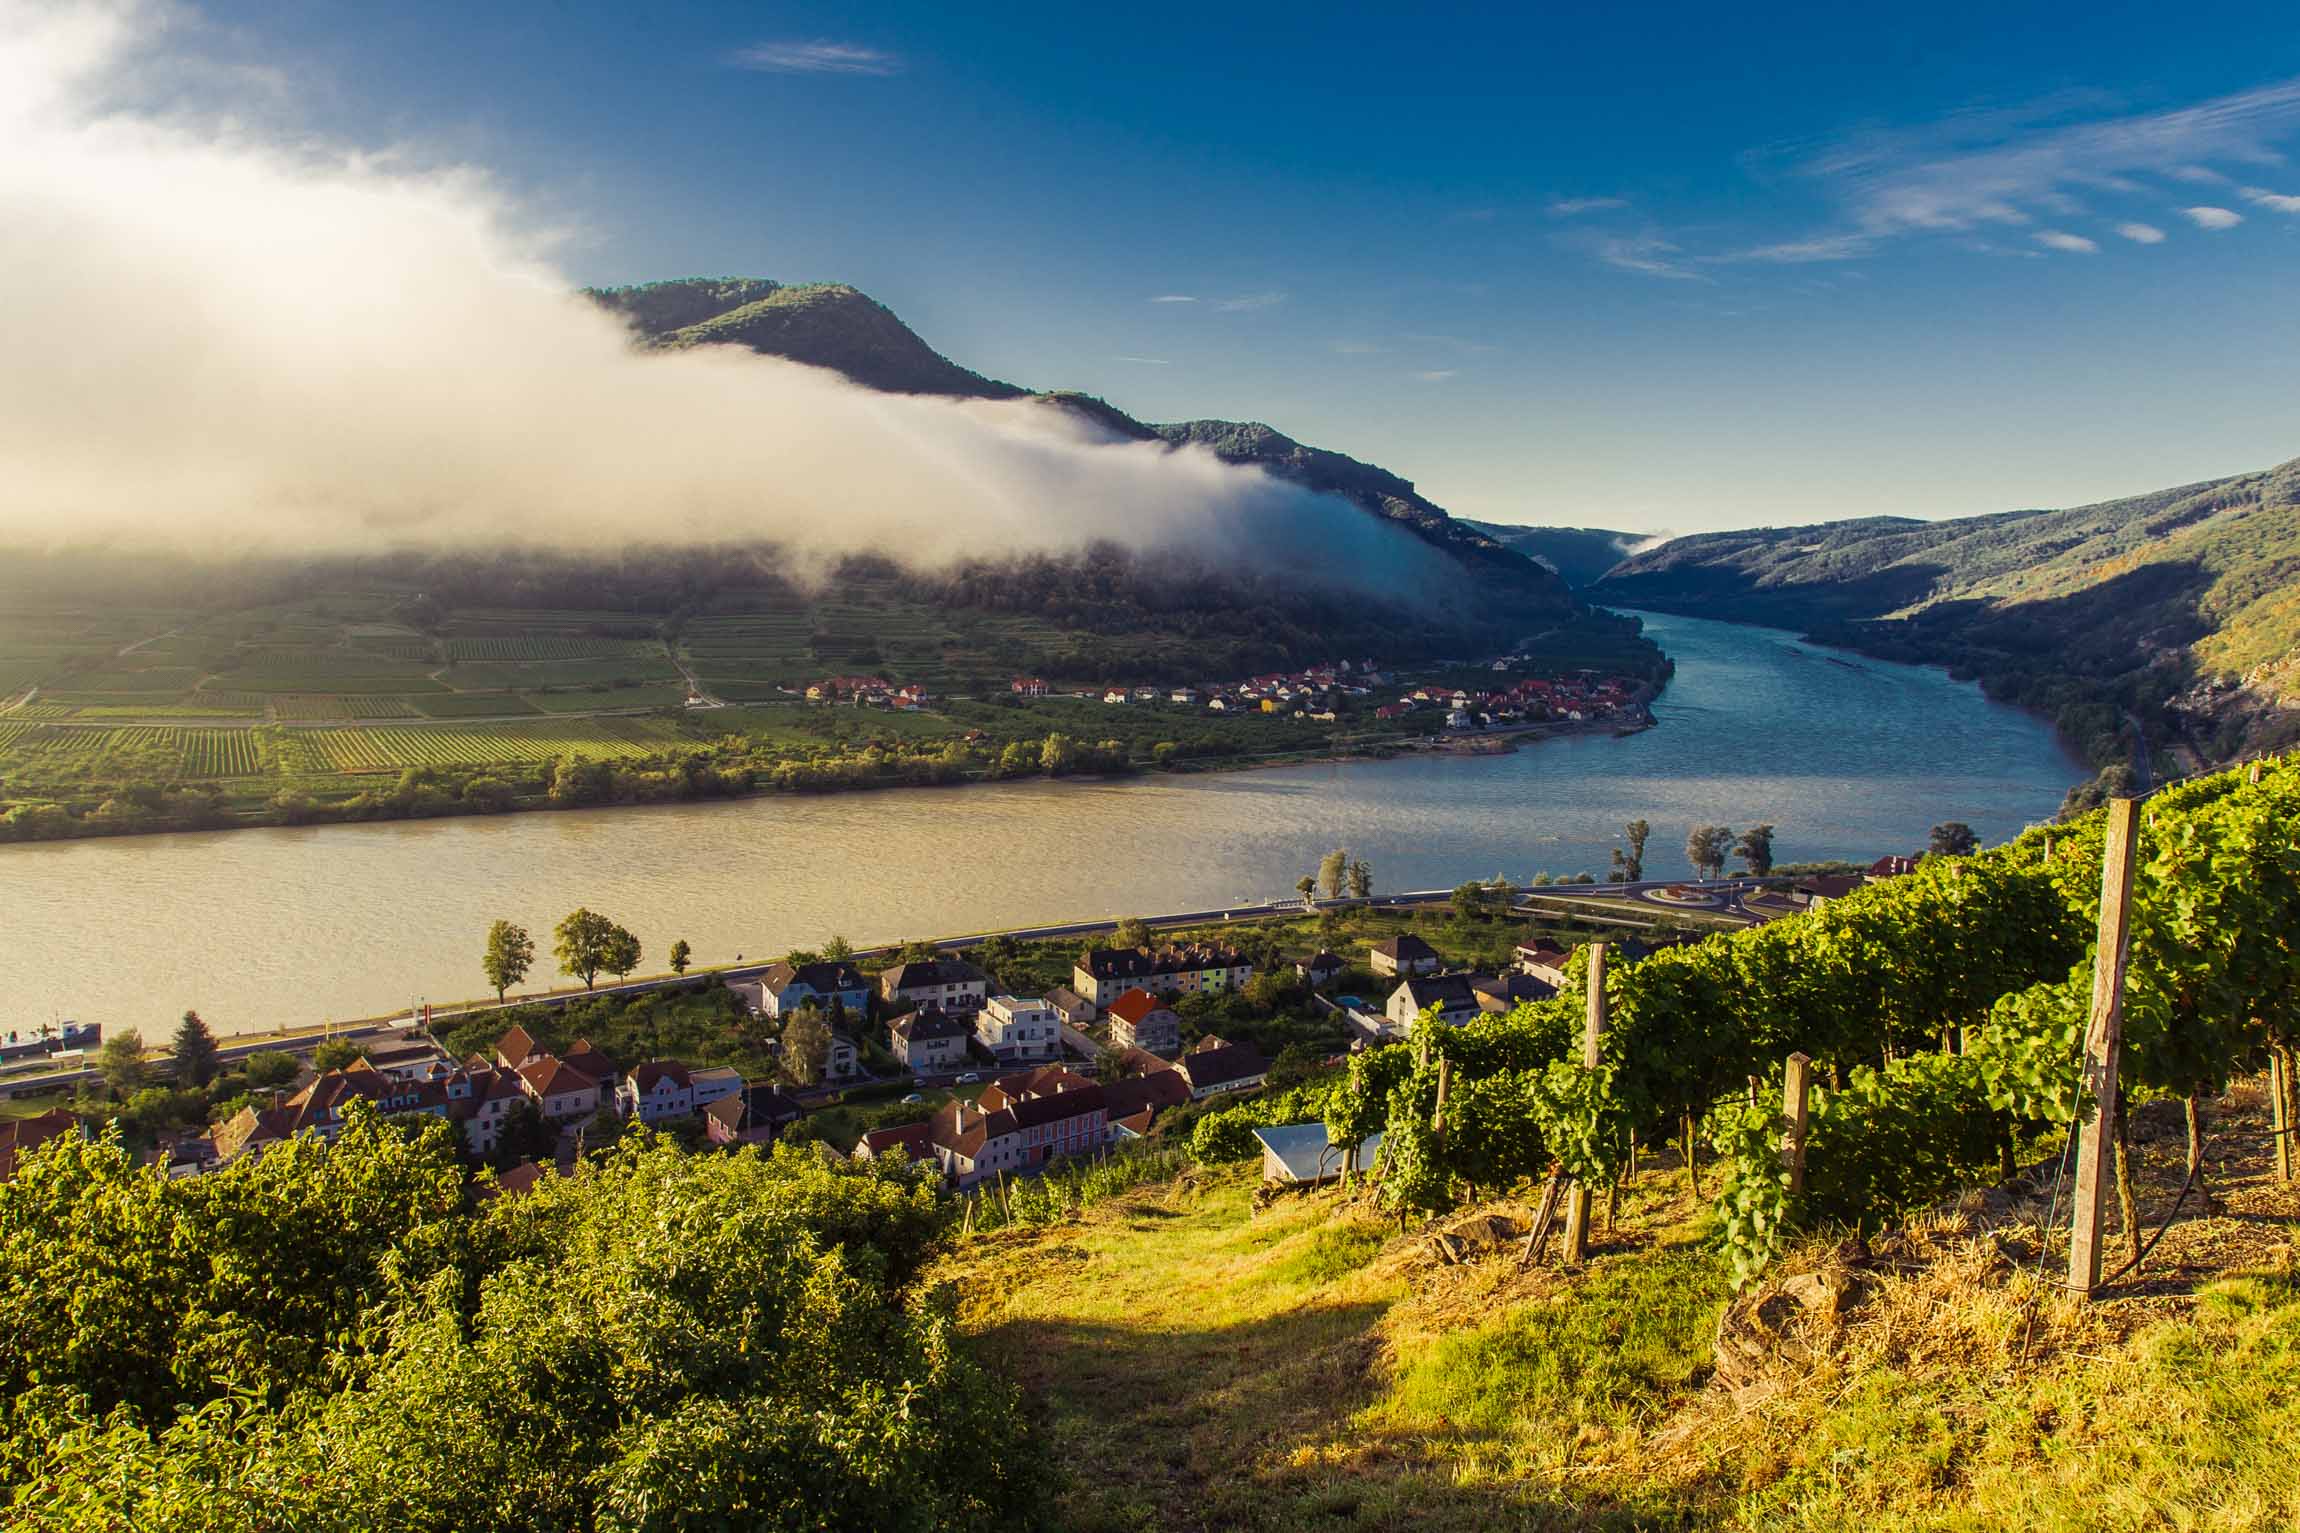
928 1059
1504 695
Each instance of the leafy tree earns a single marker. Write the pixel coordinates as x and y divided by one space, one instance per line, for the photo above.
1133 931
1058 755
1361 879
1334 872
1706 847
681 956
336 1054
1755 849
1953 838
838 949
121 1061
1635 833
510 951
806 1046
271 1069
583 939
1471 901
620 955
193 1052
1306 886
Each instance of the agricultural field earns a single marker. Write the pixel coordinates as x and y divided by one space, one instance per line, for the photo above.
339 706
390 749
470 705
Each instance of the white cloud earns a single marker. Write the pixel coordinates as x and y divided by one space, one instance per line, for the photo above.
1173 298
819 57
1977 168
255 341
2075 243
2143 234
1649 255
2213 218
2274 202
1246 302
2196 175
1827 247
1145 361
1574 207
1436 375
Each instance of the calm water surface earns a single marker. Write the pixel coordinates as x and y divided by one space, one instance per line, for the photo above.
1845 757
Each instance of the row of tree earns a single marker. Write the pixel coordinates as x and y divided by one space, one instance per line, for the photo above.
586 944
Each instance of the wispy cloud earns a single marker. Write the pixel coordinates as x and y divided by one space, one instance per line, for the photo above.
2142 234
2003 166
1649 255
2196 175
2076 244
1436 374
2274 202
1245 302
1574 207
1146 361
1173 298
1827 247
820 57
2213 218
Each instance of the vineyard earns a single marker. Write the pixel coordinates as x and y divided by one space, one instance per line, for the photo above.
388 749
1944 1014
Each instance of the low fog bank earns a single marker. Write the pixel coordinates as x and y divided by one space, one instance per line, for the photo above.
230 344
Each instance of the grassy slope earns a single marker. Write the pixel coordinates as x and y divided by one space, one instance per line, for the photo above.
1198 1365
2141 598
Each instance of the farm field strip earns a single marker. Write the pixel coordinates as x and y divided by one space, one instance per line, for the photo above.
338 706
386 749
549 648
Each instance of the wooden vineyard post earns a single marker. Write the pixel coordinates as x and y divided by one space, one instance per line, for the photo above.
2103 1047
2253 776
2280 1107
1437 1119
1796 1082
1592 1029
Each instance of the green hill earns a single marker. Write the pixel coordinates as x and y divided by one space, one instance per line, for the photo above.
835 326
2175 613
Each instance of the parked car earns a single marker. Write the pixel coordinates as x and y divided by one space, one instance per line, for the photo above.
970 1079
914 1097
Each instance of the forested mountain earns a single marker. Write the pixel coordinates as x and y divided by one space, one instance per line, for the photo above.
1583 555
2173 616
834 326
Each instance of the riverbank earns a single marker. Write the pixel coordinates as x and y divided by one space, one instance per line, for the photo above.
430 799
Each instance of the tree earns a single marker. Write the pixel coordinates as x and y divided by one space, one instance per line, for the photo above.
1306 886
1133 931
194 1052
1954 838
510 952
681 956
336 1054
1706 847
121 1060
806 1046
1361 879
1634 833
838 949
581 945
1755 849
1334 872
620 955
271 1069
1469 900
1059 755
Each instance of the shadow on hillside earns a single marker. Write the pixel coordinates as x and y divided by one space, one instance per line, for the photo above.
1250 1425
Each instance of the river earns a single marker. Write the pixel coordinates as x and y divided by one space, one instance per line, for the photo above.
1846 757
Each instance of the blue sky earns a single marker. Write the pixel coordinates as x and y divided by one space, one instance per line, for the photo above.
1657 267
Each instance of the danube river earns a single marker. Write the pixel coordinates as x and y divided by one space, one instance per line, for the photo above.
258 928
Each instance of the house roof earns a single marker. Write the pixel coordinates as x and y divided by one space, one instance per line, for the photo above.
1142 963
1426 990
1306 1153
911 1138
1405 946
768 1105
1548 953
550 1074
1506 990
729 1110
1151 1093
524 1176
1063 998
1319 960
20 1136
585 1056
822 977
1134 1005
931 971
1829 886
928 1024
643 1077
1221 1065
518 1046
